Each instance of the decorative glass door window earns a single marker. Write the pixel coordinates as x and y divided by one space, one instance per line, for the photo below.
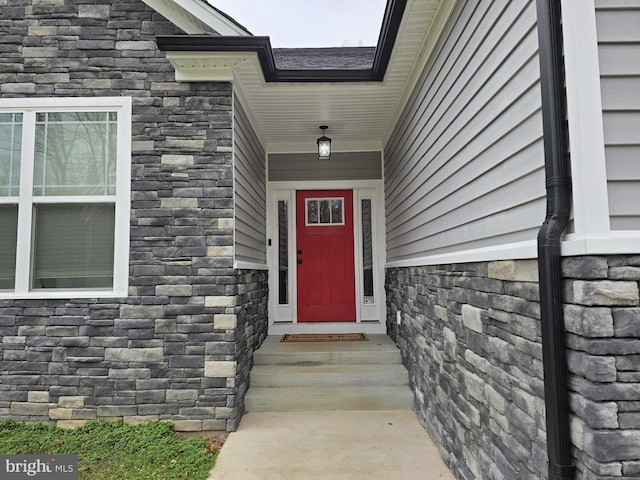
367 252
283 252
325 211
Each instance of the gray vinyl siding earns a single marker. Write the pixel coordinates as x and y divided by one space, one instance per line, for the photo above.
464 167
250 191
341 166
618 28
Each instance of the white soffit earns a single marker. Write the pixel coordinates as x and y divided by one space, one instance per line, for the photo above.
360 115
196 17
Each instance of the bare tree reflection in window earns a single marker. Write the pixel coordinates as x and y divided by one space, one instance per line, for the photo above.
75 153
325 212
10 152
283 252
336 210
367 251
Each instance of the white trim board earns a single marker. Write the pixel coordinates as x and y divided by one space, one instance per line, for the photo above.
240 265
617 243
584 111
512 251
370 318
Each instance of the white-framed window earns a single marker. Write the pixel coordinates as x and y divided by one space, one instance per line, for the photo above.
65 189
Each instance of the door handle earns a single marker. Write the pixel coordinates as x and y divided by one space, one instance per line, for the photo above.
299 261
299 252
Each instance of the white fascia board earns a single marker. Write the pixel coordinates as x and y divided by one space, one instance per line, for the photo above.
191 15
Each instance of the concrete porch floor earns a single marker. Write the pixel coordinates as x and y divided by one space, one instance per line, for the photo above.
330 445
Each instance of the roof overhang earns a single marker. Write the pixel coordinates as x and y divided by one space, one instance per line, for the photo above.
181 48
196 17
285 107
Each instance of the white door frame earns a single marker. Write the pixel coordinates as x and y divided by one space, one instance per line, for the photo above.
370 317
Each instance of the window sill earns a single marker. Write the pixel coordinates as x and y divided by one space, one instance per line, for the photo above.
66 295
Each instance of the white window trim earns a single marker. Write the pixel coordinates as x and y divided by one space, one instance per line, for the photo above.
318 223
122 200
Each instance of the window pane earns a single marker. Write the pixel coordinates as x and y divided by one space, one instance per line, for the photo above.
75 154
8 236
10 150
73 246
325 211
367 251
336 210
283 252
312 211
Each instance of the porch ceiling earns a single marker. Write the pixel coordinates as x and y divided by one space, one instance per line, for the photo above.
360 115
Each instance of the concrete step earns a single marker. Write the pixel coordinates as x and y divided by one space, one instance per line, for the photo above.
310 399
273 376
324 358
379 349
320 376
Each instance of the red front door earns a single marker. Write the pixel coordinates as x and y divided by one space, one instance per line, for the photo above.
326 276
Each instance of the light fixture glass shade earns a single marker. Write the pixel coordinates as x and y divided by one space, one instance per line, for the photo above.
324 145
324 148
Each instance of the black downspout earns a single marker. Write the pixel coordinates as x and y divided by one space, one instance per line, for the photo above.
558 183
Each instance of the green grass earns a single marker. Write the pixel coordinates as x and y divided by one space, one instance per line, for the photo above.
115 450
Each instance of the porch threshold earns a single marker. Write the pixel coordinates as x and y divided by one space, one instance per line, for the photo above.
370 328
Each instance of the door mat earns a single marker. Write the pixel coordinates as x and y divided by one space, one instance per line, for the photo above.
325 337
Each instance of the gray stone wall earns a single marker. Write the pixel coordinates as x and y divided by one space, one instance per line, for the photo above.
252 327
603 333
172 349
470 337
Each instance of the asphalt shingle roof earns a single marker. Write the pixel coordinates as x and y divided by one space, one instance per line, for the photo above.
339 58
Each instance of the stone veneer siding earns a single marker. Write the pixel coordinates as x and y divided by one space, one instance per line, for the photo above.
470 338
179 346
251 329
602 319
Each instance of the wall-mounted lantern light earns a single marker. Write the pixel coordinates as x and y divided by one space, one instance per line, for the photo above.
324 145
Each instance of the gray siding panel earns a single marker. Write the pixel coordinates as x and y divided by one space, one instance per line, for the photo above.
250 191
464 167
341 166
618 28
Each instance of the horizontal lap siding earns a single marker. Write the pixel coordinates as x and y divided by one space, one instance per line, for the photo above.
341 166
618 27
250 191
464 168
